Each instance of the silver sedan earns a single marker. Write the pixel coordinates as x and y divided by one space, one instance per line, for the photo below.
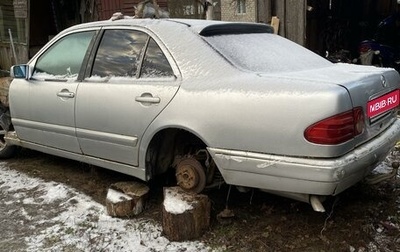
213 101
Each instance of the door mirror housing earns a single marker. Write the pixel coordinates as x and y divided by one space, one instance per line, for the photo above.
19 71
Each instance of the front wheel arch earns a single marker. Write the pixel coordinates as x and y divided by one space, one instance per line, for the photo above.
6 150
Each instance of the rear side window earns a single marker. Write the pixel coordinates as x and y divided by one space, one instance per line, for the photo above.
155 64
119 53
63 60
266 53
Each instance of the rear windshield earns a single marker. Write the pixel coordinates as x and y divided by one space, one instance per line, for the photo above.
266 53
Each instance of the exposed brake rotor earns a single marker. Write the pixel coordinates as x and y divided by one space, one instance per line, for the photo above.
190 175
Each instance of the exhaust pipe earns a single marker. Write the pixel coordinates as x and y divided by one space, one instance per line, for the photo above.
316 204
314 200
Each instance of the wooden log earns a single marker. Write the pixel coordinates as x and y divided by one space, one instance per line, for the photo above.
185 216
126 199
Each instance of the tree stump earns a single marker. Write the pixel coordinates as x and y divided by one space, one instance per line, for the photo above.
126 199
185 216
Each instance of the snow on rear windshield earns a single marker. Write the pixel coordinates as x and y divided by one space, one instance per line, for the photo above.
267 53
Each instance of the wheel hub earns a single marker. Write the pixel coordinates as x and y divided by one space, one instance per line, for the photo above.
190 175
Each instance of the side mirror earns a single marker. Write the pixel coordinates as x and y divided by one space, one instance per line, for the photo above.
19 71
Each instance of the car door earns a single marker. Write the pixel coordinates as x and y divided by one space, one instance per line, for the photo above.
43 107
129 83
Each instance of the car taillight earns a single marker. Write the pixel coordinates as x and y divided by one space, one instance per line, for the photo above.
337 129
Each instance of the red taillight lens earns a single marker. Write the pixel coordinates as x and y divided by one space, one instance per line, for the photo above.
337 129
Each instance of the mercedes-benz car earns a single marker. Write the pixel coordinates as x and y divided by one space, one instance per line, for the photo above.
214 101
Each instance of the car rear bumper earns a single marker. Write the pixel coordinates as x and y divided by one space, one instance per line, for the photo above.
305 175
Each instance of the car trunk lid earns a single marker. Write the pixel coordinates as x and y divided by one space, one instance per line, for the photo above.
375 90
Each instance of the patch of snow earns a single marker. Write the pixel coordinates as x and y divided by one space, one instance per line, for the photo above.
54 217
97 78
25 214
29 201
55 192
47 76
174 203
386 166
119 15
115 196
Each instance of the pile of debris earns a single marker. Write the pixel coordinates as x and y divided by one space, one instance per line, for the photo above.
4 86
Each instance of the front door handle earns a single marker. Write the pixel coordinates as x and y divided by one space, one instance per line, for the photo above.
147 98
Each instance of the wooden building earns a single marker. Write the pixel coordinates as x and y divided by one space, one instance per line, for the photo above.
106 8
14 30
27 25
291 14
320 25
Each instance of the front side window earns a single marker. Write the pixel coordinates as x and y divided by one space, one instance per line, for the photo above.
155 64
63 60
119 53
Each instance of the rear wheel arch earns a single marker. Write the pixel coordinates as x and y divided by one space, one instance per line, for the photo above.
185 154
165 145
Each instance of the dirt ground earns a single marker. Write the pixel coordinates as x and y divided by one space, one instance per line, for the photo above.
363 218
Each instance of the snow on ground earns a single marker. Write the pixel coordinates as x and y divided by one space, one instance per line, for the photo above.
49 216
386 166
380 238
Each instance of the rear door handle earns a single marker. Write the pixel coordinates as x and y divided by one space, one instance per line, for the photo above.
65 93
147 98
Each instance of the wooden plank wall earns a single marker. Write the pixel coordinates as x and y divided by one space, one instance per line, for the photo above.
6 55
128 7
264 11
292 16
107 8
19 31
8 21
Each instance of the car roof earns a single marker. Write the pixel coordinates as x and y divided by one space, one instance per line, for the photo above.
182 38
200 26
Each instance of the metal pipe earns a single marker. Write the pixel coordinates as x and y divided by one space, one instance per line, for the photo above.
316 204
313 200
12 47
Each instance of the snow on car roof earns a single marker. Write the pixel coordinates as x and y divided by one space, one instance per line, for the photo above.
200 26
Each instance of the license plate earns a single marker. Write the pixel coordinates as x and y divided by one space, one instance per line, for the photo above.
383 104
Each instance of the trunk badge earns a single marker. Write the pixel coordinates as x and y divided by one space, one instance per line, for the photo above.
383 79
